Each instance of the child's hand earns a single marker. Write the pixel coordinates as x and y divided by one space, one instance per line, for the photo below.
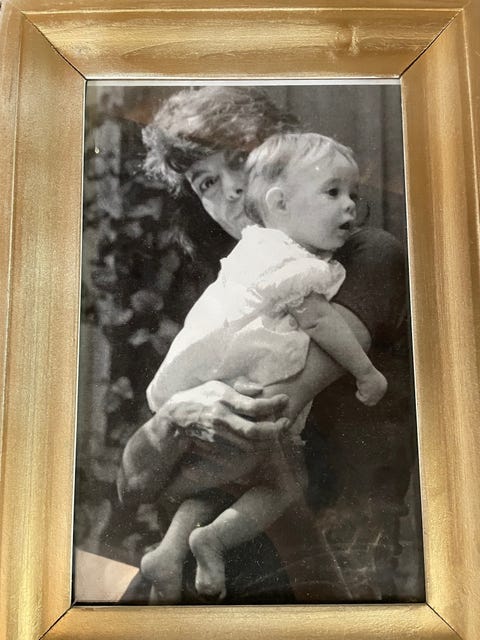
371 387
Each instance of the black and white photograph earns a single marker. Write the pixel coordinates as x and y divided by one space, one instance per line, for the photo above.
246 428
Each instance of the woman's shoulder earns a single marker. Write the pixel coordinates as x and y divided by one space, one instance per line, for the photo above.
371 239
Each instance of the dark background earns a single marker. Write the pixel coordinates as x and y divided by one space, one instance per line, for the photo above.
146 260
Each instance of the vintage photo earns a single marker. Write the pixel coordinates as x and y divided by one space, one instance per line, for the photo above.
246 428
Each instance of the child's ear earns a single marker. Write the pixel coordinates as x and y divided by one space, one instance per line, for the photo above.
275 200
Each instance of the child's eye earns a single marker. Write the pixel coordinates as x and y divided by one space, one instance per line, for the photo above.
354 196
333 192
207 183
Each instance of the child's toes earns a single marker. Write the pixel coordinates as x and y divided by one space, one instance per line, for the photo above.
210 591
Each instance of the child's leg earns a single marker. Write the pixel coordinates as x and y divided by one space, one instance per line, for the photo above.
319 371
208 466
255 511
164 565
143 477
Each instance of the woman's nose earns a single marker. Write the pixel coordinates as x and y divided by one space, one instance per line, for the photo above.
233 187
234 194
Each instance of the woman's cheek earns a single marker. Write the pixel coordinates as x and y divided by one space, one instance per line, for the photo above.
215 206
209 207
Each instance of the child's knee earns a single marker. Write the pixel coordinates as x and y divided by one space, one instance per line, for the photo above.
296 491
293 481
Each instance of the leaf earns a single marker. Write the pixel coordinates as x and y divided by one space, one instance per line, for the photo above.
111 315
140 337
133 230
152 208
146 301
162 339
123 388
170 261
105 279
164 279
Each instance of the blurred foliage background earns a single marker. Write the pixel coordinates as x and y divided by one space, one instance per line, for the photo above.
146 259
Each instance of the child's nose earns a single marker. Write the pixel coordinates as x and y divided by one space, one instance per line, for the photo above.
350 206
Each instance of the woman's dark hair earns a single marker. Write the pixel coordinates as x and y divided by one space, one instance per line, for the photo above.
196 122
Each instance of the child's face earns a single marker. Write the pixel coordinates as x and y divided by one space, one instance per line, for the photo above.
219 182
320 199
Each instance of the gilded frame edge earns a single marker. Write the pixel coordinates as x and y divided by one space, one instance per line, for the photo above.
432 625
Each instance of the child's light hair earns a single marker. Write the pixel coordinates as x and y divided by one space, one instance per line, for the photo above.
269 163
197 122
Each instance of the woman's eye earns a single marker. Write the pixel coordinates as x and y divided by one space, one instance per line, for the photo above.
206 183
333 192
237 159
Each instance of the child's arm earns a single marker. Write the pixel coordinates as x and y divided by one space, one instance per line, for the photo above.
320 320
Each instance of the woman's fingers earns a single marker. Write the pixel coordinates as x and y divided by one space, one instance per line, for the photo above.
247 388
216 410
255 407
239 431
267 430
224 435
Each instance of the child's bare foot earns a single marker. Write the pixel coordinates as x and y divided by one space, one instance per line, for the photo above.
164 568
208 552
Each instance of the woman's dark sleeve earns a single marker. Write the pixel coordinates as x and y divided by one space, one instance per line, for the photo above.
375 284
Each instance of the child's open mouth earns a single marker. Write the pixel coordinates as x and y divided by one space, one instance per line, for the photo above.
346 226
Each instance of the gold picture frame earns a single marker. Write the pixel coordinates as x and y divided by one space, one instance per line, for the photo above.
48 51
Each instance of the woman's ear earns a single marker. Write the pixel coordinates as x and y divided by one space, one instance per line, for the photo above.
275 201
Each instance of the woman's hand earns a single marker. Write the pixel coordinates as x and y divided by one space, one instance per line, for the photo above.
215 411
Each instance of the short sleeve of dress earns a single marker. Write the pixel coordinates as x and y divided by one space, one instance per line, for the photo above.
289 285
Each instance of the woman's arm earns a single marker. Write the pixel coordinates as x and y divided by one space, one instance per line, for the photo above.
230 415
322 322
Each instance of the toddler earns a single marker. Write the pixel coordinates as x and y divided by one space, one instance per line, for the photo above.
255 324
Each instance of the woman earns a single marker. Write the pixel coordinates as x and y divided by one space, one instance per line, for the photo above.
199 140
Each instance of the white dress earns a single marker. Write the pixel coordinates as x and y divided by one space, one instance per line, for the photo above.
241 327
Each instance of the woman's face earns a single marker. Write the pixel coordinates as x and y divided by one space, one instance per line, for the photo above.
219 182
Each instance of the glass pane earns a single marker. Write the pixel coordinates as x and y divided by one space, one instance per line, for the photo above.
211 503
